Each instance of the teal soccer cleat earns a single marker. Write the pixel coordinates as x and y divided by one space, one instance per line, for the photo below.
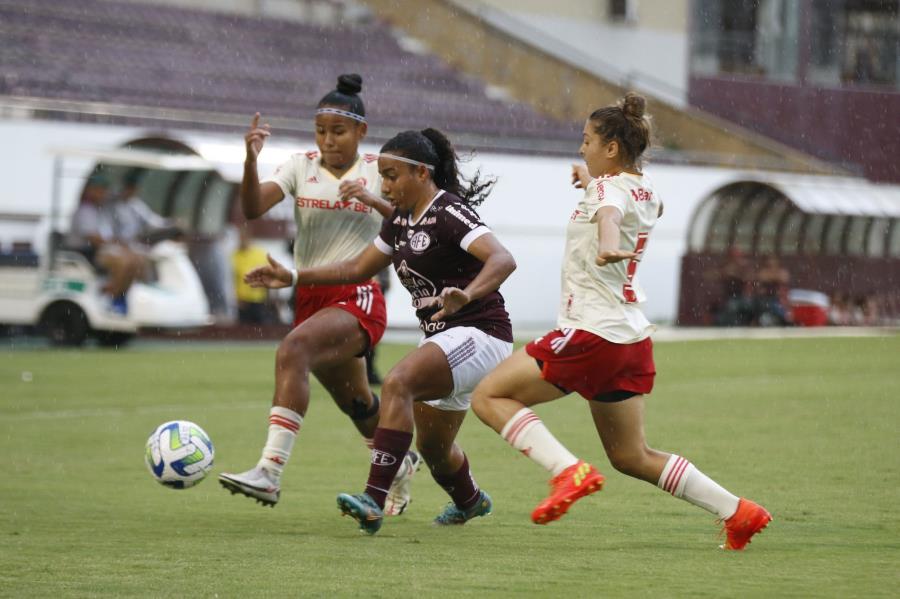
363 509
452 515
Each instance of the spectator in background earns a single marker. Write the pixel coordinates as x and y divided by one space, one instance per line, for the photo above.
134 219
736 306
771 284
839 314
871 310
93 233
251 300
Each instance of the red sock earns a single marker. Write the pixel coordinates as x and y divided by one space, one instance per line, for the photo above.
460 486
389 449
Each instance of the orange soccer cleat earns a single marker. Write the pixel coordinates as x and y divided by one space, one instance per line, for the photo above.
749 519
570 485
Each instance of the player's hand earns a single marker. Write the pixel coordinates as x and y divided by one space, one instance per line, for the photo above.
451 300
580 176
271 276
255 137
356 189
612 256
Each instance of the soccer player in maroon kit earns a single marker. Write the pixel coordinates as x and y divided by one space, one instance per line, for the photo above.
452 266
602 348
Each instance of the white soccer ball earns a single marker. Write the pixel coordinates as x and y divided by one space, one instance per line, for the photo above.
179 454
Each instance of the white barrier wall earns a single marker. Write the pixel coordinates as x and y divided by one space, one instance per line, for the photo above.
528 209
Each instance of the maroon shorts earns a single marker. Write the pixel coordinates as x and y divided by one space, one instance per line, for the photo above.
364 301
593 367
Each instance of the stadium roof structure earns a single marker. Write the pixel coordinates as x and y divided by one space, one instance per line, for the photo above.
781 214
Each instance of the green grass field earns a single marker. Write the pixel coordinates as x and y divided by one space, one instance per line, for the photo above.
809 428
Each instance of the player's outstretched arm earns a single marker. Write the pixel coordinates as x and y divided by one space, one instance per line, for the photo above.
256 199
498 265
609 222
271 276
363 267
355 189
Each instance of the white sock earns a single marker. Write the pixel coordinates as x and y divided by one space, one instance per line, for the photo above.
283 427
527 433
683 480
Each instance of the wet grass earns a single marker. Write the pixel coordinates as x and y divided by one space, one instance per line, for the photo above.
809 428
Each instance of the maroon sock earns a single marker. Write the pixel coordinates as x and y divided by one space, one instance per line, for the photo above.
460 486
388 449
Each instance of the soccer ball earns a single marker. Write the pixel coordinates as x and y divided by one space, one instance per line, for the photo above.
179 454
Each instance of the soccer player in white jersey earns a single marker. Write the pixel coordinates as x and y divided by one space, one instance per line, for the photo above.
602 348
452 266
338 210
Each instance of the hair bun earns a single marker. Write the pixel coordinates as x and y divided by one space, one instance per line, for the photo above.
633 105
350 84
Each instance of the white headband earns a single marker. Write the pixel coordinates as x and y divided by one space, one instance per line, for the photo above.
339 112
407 160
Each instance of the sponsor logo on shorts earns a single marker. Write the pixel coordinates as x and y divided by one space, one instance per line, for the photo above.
380 458
559 343
364 298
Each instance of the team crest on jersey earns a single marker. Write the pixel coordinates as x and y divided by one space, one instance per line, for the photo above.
420 242
313 179
312 154
370 158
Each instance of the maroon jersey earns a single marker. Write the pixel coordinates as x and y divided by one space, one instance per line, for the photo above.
430 254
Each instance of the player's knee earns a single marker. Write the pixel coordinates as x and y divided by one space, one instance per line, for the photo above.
293 353
627 460
397 387
480 401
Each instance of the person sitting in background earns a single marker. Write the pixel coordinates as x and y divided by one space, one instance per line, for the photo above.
736 307
93 234
134 219
771 280
839 314
871 309
251 300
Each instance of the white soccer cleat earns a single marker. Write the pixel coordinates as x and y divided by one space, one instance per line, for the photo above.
398 497
254 483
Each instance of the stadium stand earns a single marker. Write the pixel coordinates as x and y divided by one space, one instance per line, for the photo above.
155 56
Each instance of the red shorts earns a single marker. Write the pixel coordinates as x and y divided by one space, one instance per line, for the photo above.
364 301
575 360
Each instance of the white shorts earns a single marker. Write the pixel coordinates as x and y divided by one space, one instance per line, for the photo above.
472 354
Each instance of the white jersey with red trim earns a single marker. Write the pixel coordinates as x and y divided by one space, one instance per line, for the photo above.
329 229
604 299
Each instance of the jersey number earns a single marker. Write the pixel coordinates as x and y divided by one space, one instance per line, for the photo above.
627 289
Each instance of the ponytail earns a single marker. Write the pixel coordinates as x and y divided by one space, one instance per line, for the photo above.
431 147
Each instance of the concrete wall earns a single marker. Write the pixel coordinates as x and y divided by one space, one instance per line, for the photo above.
666 15
570 91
